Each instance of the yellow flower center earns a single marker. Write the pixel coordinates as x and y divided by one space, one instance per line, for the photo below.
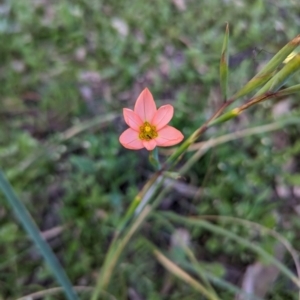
147 132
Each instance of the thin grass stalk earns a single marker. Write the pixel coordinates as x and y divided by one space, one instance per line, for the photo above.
200 271
262 229
250 245
224 65
261 129
204 273
290 90
256 99
55 291
203 147
219 281
116 251
265 230
119 243
181 274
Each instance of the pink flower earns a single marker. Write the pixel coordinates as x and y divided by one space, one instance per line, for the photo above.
148 125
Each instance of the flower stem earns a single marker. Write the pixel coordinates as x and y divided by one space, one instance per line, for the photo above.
153 158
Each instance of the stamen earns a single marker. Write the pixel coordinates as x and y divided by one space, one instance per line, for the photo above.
147 132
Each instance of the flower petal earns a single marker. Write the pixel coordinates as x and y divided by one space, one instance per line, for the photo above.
163 116
149 145
132 119
130 140
168 136
145 106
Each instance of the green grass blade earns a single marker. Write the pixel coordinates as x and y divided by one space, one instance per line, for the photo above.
280 78
32 230
267 72
224 65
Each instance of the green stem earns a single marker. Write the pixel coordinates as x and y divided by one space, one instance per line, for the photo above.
32 230
153 158
115 251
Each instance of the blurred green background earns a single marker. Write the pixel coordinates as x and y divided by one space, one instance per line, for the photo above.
67 68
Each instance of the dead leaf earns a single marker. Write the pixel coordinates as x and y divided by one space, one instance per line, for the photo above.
259 278
180 4
53 232
121 26
180 238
